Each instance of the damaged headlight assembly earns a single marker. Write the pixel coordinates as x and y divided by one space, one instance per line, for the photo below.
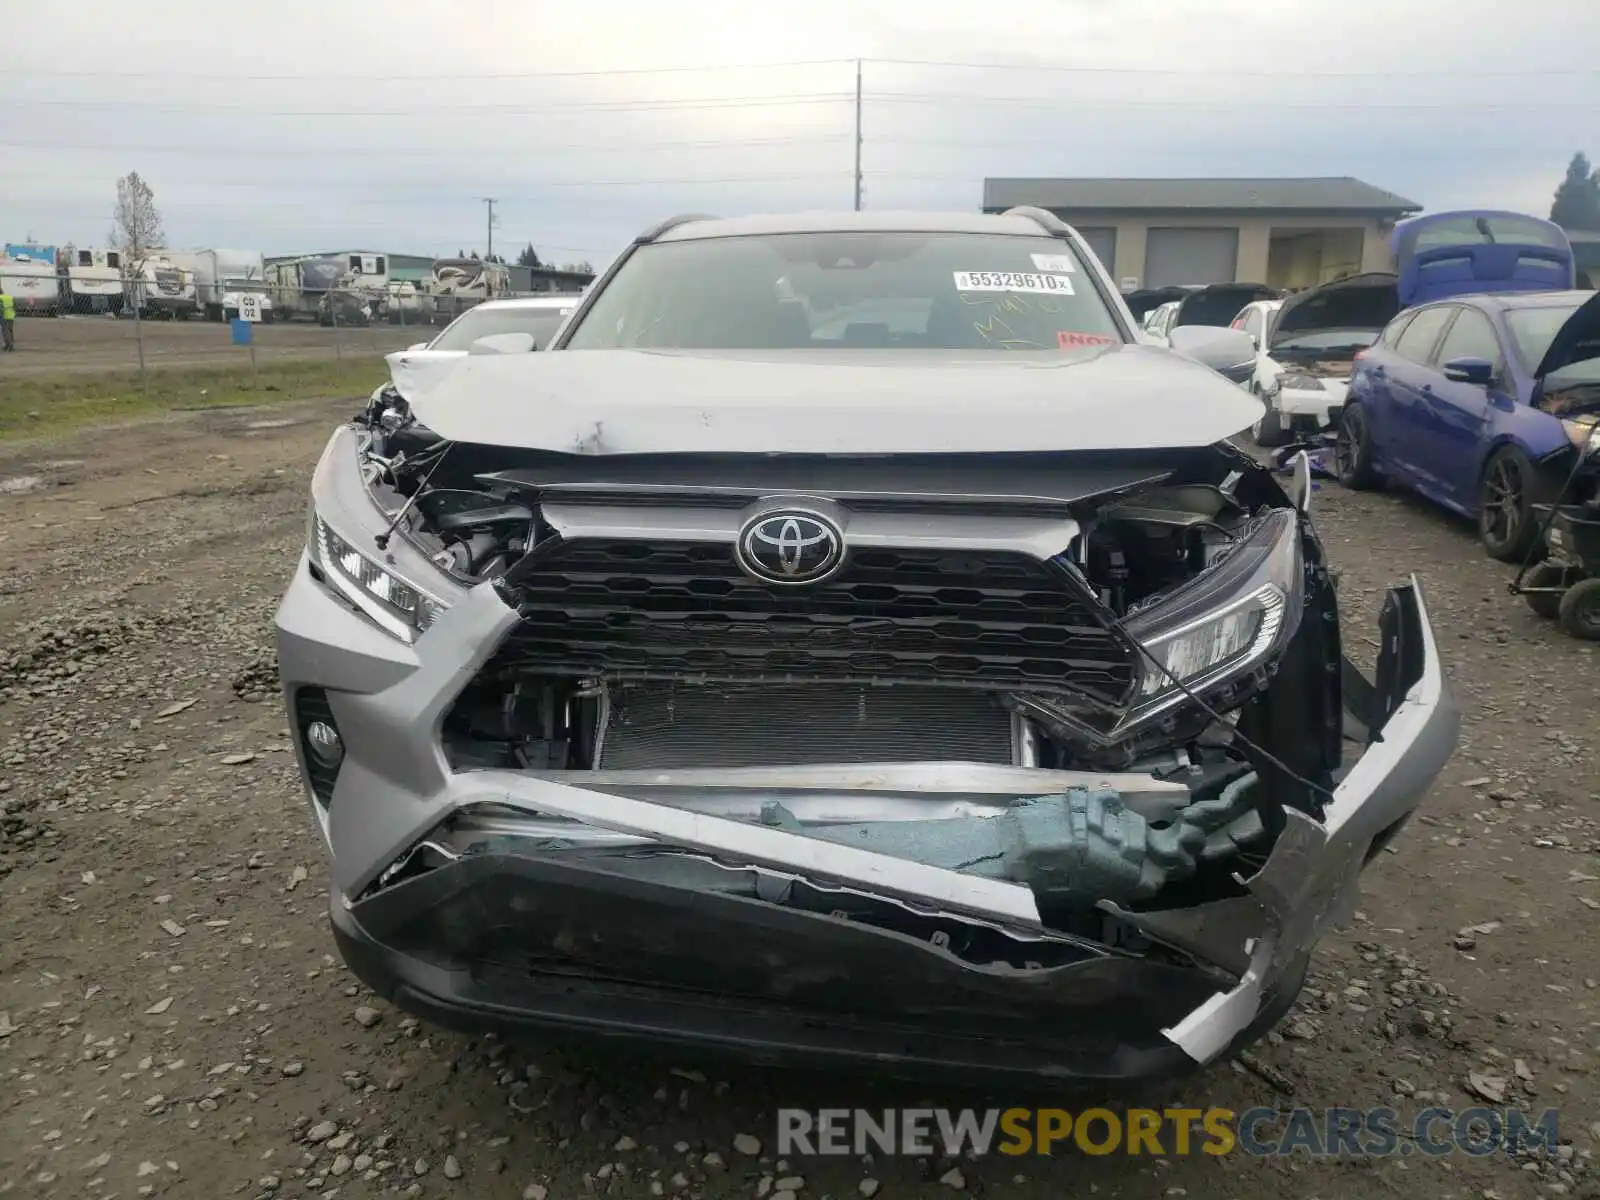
1298 381
393 603
1228 621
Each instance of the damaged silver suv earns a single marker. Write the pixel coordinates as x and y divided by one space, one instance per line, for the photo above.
847 643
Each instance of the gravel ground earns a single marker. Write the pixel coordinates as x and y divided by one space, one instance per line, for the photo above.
173 1023
52 346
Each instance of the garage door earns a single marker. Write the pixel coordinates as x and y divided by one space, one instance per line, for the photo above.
1175 257
1104 244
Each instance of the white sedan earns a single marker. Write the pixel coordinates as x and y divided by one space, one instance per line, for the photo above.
1305 347
494 325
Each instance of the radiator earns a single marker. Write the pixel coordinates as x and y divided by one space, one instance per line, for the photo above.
675 725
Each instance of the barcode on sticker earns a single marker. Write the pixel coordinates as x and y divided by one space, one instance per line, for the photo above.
1013 281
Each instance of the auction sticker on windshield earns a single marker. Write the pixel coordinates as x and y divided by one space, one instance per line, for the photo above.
1012 281
1071 339
1053 262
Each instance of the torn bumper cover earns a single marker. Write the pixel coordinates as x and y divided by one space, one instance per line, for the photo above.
736 909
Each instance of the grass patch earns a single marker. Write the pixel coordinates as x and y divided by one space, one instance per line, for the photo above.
37 405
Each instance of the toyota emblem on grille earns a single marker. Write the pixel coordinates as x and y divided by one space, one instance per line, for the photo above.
790 546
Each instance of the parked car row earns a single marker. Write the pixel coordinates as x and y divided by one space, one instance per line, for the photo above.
1471 376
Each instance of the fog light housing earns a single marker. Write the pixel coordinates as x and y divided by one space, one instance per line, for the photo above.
321 745
324 744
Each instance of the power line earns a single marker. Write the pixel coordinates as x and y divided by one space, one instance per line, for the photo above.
652 144
1295 73
523 108
413 151
342 77
1088 102
730 102
411 77
390 197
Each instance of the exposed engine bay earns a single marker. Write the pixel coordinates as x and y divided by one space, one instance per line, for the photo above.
640 654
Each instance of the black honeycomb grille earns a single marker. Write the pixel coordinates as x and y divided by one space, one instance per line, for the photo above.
641 610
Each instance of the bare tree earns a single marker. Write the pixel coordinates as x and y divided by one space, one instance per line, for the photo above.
137 223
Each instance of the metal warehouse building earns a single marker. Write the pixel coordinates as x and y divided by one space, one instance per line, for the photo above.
1164 232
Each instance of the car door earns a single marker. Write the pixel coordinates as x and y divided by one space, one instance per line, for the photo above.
1410 369
1369 385
1456 416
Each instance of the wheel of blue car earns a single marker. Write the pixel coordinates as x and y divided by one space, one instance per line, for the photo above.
1352 449
1506 523
1580 610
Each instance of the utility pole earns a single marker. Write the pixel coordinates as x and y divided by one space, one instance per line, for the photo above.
858 135
489 202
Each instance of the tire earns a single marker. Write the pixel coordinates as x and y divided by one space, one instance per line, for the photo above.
1352 450
1580 610
1546 575
1507 525
1268 431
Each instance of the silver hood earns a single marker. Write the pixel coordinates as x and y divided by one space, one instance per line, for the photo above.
854 402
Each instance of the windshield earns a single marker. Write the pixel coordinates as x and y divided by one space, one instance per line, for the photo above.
485 322
1328 339
1214 307
1458 229
1532 331
854 291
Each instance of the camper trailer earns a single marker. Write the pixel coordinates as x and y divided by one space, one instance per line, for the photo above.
31 278
297 285
360 293
457 284
91 281
161 288
221 276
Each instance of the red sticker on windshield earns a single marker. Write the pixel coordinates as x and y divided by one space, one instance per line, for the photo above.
1069 340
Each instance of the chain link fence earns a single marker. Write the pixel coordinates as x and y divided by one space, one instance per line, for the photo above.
121 323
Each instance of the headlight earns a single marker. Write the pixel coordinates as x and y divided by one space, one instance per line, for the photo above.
1583 432
399 607
1299 381
1226 621
1218 641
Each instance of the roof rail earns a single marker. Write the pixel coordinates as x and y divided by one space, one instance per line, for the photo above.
1046 220
664 227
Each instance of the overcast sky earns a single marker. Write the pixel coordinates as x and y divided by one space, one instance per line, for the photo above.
308 125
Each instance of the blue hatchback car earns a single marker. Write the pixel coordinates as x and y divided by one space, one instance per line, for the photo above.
1443 403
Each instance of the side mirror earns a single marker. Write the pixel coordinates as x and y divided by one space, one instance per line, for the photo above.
1479 371
417 346
502 343
1229 352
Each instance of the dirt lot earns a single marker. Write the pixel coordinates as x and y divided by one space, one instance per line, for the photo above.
172 1022
50 346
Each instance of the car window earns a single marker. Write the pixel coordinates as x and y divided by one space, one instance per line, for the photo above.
483 322
1472 336
1533 329
1416 343
1396 327
1253 325
852 290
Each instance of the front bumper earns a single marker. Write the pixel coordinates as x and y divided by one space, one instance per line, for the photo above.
550 904
1311 411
